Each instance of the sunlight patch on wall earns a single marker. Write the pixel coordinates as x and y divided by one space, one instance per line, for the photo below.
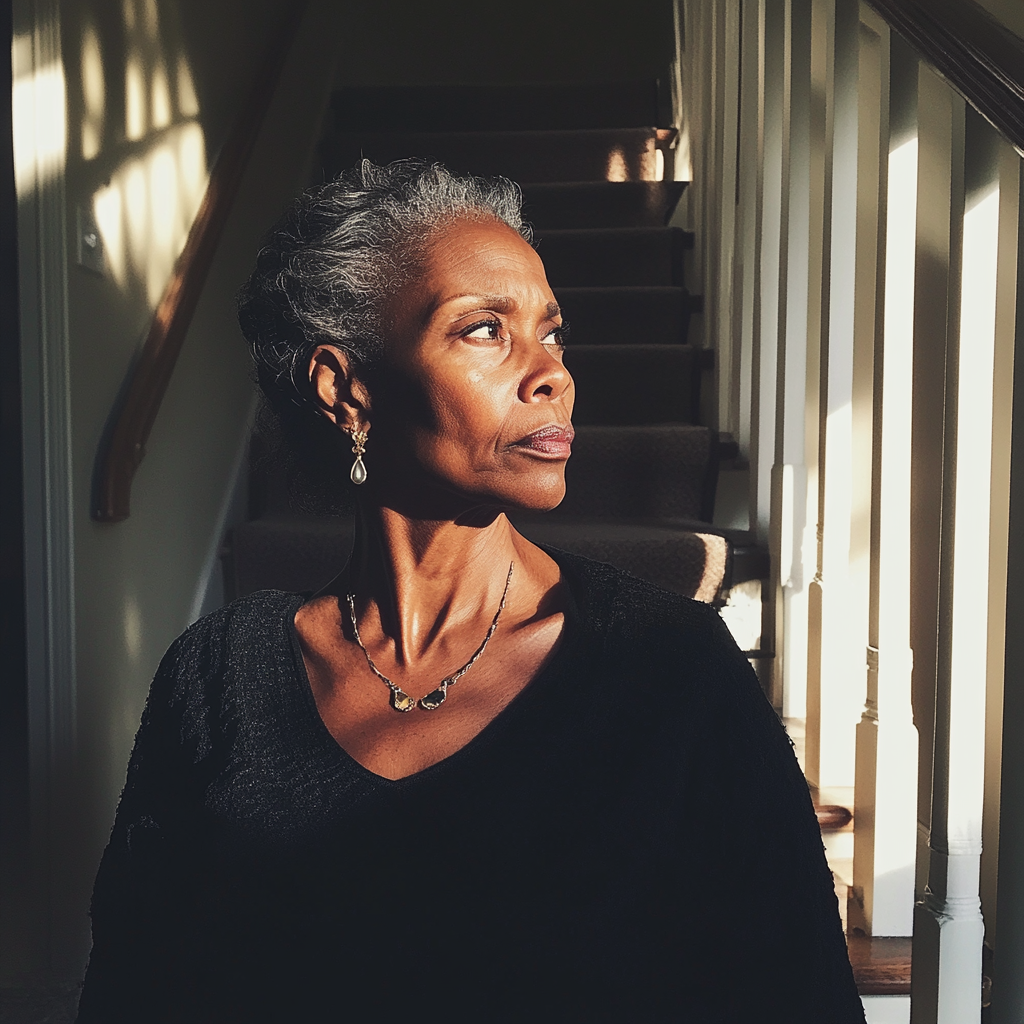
160 97
188 104
147 208
146 211
132 628
39 118
134 98
93 93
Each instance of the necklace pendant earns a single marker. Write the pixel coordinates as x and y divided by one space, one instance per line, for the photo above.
401 701
435 698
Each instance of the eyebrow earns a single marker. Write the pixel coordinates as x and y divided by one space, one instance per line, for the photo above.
499 303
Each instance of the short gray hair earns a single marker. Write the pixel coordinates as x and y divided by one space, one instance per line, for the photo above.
324 271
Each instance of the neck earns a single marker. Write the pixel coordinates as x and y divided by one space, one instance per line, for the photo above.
415 579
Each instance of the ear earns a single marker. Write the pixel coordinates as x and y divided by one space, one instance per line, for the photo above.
338 393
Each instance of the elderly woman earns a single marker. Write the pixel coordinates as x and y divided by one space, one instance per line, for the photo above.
472 779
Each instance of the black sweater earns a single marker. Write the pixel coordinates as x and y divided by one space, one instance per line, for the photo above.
630 840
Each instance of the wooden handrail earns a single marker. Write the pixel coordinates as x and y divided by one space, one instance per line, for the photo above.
980 58
123 445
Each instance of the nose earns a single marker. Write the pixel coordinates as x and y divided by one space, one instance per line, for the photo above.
546 378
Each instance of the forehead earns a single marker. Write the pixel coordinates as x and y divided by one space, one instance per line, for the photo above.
481 252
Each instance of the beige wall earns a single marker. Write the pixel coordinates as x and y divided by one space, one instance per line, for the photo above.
153 90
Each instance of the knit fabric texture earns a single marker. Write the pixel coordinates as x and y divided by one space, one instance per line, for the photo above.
630 840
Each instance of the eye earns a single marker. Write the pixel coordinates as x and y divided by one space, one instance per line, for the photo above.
557 336
485 330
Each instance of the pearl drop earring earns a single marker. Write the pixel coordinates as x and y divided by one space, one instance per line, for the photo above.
358 472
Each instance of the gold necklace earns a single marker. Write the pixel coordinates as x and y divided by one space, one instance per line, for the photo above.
400 700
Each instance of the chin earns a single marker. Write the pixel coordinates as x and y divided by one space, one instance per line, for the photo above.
541 494
538 490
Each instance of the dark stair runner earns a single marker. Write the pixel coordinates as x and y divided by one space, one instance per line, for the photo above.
641 480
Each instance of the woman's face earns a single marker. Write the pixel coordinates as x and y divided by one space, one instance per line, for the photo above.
475 402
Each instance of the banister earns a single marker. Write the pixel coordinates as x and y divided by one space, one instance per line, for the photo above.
123 445
977 55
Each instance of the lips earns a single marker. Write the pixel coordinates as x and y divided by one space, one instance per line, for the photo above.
553 441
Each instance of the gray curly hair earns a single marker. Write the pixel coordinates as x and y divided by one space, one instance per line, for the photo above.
325 270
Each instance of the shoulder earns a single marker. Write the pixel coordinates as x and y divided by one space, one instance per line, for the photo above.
665 643
239 641
618 604
244 625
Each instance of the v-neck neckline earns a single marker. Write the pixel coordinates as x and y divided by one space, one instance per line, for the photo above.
516 707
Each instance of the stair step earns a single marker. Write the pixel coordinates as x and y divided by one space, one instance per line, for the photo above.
640 472
291 552
601 204
614 257
626 316
635 384
593 154
689 563
471 108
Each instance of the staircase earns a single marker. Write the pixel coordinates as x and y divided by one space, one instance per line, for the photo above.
642 477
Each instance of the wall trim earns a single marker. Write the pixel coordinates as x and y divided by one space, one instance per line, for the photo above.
39 150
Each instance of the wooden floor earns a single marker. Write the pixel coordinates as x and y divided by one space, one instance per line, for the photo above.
880 965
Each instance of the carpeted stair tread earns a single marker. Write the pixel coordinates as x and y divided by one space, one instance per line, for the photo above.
539 106
610 257
684 561
635 384
598 154
658 315
639 472
601 204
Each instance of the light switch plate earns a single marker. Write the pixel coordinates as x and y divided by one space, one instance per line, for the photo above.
90 242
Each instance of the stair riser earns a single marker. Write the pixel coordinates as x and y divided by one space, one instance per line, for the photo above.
619 155
621 204
483 108
643 257
626 316
636 384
